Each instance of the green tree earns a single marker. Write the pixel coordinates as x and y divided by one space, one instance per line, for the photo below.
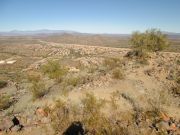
151 40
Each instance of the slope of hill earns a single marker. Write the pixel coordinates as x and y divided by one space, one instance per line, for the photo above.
100 87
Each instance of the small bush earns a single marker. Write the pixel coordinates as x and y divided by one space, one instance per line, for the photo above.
92 105
76 79
92 114
72 80
151 40
59 116
117 73
33 76
38 90
54 70
3 84
4 102
111 63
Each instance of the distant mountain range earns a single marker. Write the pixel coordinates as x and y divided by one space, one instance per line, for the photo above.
35 32
46 32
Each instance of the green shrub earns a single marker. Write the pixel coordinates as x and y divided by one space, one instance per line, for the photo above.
54 70
151 40
4 102
38 89
3 84
117 73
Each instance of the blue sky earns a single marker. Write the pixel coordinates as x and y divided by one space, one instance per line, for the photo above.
91 16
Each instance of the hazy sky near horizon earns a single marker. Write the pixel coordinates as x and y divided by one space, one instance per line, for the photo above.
91 16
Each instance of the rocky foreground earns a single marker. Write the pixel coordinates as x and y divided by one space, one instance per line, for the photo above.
107 92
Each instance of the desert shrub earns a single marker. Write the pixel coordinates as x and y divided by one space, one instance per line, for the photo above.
117 73
92 115
111 63
60 116
157 102
4 102
33 76
72 80
151 40
3 84
38 89
77 79
91 104
54 70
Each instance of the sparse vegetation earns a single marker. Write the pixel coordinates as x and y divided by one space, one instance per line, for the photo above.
114 66
60 116
34 76
117 73
76 79
114 100
37 87
54 70
3 84
112 63
84 88
4 102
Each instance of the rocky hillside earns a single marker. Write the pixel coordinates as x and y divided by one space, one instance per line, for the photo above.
50 85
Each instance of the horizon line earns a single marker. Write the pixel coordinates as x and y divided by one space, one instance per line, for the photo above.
74 31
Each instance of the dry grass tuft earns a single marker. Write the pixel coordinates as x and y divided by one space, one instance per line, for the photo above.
37 87
117 73
4 102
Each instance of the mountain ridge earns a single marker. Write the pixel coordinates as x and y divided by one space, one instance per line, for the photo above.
47 32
